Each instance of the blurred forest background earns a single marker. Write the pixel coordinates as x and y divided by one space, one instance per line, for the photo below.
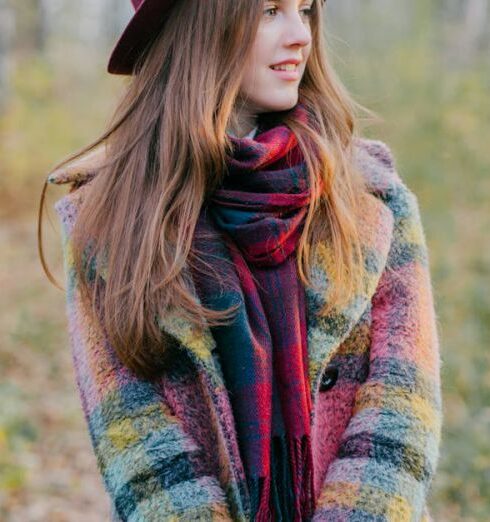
423 66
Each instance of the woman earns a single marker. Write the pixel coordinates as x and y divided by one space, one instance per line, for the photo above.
249 298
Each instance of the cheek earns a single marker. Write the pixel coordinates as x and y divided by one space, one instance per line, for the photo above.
262 54
255 73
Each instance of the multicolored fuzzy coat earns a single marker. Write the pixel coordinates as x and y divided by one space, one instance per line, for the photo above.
168 451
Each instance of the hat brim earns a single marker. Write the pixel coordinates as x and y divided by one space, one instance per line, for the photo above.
144 24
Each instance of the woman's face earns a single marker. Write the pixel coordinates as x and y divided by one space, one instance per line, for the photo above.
284 34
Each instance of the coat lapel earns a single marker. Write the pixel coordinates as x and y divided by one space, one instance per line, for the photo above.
325 334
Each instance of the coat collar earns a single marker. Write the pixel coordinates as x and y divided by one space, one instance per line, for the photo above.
325 334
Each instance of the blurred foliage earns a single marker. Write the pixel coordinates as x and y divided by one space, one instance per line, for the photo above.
436 121
54 109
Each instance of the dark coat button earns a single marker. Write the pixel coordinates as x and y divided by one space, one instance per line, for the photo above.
329 378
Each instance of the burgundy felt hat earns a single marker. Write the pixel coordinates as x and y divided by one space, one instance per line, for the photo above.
147 20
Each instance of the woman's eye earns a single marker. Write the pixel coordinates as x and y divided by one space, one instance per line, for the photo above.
270 9
308 11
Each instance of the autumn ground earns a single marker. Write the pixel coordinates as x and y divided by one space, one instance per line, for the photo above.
47 467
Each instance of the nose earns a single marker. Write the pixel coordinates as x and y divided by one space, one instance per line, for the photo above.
297 32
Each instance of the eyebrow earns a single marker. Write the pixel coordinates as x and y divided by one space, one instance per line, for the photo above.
281 1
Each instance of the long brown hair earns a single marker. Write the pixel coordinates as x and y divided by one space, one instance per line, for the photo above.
166 148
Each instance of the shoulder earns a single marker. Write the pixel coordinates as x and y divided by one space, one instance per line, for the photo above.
80 170
77 174
377 163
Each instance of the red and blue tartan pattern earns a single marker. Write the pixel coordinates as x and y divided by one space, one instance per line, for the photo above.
168 451
250 230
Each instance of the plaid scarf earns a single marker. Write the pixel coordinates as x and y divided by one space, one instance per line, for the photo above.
257 216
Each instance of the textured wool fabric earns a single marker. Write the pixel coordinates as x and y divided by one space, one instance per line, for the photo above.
169 450
259 211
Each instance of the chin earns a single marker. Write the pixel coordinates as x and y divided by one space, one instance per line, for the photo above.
280 103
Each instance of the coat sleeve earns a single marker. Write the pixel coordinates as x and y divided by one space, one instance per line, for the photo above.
146 459
388 453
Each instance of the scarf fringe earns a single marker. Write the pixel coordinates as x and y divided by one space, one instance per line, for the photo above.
272 497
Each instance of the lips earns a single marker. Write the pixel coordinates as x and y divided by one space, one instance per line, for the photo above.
294 61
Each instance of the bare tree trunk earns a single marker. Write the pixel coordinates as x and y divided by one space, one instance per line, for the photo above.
40 25
31 28
6 33
475 24
115 15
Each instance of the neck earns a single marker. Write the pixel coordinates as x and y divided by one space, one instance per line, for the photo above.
241 123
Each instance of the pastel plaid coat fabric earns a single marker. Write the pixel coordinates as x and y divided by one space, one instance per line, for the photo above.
168 450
